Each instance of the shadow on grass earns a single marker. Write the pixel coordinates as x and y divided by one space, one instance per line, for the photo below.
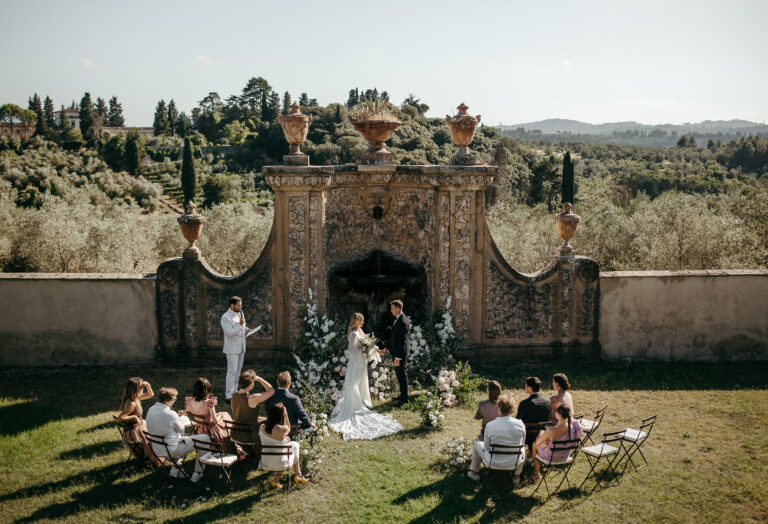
492 499
92 450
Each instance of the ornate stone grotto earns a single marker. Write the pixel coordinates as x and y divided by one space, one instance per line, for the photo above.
361 235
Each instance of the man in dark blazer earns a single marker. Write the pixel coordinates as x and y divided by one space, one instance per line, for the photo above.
398 346
292 403
534 411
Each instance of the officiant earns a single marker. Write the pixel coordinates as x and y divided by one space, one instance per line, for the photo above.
235 332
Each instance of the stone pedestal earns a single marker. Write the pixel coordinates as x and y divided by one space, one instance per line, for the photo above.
299 159
381 158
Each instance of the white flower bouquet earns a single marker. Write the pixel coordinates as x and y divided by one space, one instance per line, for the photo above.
369 347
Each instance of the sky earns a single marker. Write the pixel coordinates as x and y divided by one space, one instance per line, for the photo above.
671 61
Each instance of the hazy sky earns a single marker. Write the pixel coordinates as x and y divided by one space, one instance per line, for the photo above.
652 61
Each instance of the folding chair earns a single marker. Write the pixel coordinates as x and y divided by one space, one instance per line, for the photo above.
598 452
296 432
199 424
558 446
277 451
159 440
211 453
634 440
501 449
134 448
242 430
590 426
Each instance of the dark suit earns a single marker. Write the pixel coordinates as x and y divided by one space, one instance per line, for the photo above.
292 403
399 347
535 409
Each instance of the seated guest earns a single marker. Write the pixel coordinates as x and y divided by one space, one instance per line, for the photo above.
566 429
533 411
487 409
561 385
166 423
203 404
274 432
134 392
504 431
246 407
292 403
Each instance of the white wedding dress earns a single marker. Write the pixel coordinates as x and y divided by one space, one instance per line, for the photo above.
352 417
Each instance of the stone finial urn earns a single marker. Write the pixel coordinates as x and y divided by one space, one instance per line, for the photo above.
567 223
463 130
295 127
191 224
376 132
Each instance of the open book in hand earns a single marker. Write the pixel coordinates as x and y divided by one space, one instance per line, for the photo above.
254 330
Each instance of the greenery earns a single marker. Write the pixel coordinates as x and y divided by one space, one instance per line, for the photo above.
63 459
188 176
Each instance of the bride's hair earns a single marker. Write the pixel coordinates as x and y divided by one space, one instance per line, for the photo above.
355 322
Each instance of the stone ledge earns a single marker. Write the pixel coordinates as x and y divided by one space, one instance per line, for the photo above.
686 273
78 276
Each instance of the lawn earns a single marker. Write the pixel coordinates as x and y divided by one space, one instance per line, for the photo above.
62 459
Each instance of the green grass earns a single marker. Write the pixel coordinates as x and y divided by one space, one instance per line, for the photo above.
62 459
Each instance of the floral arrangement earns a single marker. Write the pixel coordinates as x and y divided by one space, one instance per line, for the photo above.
466 383
433 349
430 408
457 453
382 380
446 381
369 345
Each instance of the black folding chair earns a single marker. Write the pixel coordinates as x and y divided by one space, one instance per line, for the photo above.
277 451
504 450
590 426
134 448
558 447
633 440
603 451
199 424
210 453
241 436
159 440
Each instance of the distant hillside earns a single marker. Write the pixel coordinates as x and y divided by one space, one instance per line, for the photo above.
631 133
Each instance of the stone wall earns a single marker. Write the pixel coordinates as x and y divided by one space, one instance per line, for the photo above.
684 315
56 319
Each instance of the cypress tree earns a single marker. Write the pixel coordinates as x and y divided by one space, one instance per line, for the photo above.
161 119
173 117
115 113
569 187
86 115
286 103
133 153
48 111
36 105
188 177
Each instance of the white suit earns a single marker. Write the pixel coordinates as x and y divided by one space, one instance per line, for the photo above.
234 348
506 431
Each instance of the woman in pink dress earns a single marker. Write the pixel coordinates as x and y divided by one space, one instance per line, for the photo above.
561 384
487 410
567 428
203 404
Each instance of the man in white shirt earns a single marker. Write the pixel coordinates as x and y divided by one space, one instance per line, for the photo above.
233 325
506 431
165 422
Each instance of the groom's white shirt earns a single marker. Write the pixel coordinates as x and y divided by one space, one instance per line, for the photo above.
234 333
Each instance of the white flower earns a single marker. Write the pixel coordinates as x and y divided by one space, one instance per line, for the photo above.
343 359
335 359
332 383
335 397
455 383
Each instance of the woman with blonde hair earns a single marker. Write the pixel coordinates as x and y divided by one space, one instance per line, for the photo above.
135 390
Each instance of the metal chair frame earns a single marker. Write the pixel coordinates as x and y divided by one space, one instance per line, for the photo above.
214 448
176 461
608 438
286 450
133 446
598 420
572 446
634 446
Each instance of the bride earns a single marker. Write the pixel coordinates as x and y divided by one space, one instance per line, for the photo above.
352 417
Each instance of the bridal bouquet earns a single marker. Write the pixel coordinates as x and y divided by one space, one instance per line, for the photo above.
369 347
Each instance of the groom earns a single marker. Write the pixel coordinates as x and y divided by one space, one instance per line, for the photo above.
398 345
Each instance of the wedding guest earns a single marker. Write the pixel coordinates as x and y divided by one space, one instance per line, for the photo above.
235 331
534 411
274 432
562 386
296 414
134 392
503 431
246 407
203 404
566 429
164 422
487 410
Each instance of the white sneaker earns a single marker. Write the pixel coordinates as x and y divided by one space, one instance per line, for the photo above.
175 472
196 476
474 476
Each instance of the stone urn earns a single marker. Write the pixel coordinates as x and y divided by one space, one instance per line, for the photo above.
376 132
295 127
463 130
191 224
567 223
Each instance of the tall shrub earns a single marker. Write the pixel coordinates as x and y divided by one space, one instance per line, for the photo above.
188 177
569 188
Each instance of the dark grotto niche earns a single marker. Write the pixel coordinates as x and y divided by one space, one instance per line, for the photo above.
369 284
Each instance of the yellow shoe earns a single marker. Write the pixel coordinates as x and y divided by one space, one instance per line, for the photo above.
300 480
275 485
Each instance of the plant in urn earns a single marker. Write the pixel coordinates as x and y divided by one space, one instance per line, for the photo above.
463 130
191 224
295 127
566 221
374 118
